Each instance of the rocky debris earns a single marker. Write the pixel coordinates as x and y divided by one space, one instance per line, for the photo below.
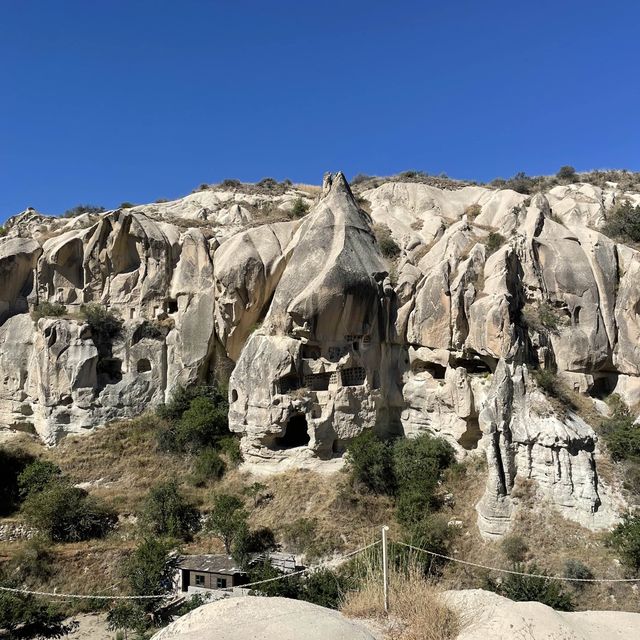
321 336
12 531
261 618
486 614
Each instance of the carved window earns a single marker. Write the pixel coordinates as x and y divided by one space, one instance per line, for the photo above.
353 377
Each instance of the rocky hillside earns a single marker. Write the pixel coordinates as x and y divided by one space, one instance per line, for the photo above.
409 307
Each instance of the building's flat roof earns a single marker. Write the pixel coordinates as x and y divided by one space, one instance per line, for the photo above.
210 563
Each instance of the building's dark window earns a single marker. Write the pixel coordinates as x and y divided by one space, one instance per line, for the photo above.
199 581
221 583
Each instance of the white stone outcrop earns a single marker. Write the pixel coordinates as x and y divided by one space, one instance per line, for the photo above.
321 337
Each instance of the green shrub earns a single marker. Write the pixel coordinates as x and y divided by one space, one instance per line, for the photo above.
624 222
26 616
202 425
37 476
64 513
3 231
207 466
255 491
326 588
300 208
576 570
522 183
151 331
46 309
621 434
431 531
246 543
150 570
547 380
12 464
388 246
181 400
126 205
417 467
230 447
231 183
166 512
626 539
32 564
528 589
544 317
473 211
300 535
494 242
514 548
105 325
567 172
288 587
370 462
82 208
267 183
127 616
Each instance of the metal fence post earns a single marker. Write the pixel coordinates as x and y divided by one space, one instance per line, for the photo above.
385 569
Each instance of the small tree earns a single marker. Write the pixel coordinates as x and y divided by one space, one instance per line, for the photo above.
494 242
207 466
38 476
621 433
624 222
167 513
576 570
227 519
201 425
83 208
23 617
626 539
567 172
47 309
149 571
67 514
369 459
326 588
105 325
255 490
514 548
300 208
127 616
12 463
388 246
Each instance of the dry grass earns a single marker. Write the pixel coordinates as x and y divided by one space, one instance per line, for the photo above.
344 519
312 189
551 541
416 609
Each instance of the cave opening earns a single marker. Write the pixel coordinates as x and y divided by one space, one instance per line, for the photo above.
296 433
144 365
470 438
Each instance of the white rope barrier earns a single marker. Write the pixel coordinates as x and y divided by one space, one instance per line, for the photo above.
516 573
77 596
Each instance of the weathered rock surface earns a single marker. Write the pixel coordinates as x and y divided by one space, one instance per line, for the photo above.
489 615
261 618
321 336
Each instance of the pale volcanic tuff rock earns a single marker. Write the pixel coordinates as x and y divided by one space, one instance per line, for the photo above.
323 337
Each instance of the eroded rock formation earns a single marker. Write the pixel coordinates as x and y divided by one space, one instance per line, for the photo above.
320 336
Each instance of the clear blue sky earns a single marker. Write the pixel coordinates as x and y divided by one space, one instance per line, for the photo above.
105 101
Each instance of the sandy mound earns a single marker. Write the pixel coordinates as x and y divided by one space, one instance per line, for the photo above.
492 616
257 618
